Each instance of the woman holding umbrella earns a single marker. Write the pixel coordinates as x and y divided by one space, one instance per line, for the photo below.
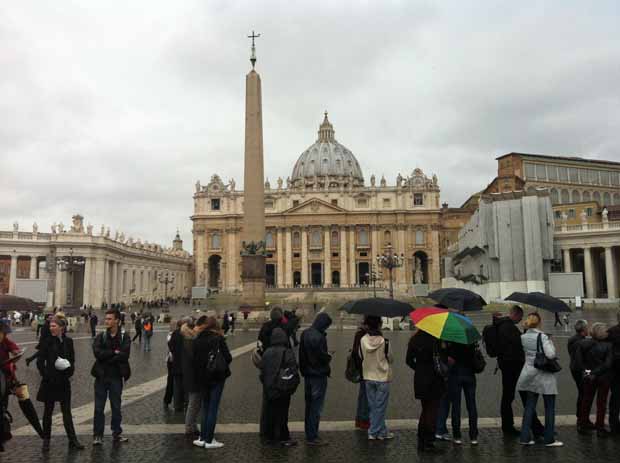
536 382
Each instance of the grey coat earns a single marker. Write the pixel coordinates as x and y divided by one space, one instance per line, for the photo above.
531 378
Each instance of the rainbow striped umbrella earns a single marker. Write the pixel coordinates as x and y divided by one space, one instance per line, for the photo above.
446 325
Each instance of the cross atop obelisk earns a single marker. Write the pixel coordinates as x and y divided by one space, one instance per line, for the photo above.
253 55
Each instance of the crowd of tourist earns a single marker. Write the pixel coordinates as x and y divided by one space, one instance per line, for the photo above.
199 365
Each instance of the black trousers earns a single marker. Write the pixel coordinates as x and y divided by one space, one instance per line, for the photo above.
510 377
276 419
169 386
614 403
579 383
137 335
67 418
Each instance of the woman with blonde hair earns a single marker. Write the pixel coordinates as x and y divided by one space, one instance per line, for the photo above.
535 382
594 360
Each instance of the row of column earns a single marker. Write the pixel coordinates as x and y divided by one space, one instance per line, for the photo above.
611 270
13 272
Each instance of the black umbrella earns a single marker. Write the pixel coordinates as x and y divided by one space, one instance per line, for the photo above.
540 301
378 307
8 302
458 298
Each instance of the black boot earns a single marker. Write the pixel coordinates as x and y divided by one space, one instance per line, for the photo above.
31 415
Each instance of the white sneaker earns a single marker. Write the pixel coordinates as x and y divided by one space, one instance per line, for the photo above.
527 443
444 437
199 443
556 443
213 444
474 442
458 441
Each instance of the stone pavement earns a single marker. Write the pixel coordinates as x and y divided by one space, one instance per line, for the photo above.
156 433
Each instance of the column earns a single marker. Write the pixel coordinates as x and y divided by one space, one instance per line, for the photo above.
434 273
352 269
58 296
589 273
374 243
327 259
87 278
288 277
304 256
33 267
610 273
568 265
280 252
401 273
344 281
13 275
106 281
114 285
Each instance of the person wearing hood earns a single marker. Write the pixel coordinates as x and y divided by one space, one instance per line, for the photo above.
56 364
314 360
278 357
276 320
377 371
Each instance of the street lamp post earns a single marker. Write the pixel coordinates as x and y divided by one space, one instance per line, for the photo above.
372 277
70 264
166 279
390 261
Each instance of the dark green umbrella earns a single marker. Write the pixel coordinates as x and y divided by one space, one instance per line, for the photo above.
378 307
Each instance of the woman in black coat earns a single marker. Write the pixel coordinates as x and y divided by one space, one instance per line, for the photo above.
206 347
429 386
278 355
55 363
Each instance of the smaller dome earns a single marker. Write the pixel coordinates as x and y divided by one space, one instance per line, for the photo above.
327 158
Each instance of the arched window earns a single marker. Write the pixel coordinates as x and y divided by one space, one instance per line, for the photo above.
606 199
216 241
596 197
296 239
315 239
586 196
419 237
565 197
362 237
335 238
616 199
576 196
387 237
269 240
555 197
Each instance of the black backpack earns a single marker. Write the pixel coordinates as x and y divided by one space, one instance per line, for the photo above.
217 366
286 382
490 338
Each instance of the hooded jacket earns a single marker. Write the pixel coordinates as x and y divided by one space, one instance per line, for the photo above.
204 344
187 359
278 355
314 358
376 357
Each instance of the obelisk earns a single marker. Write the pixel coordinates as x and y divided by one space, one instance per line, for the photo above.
253 232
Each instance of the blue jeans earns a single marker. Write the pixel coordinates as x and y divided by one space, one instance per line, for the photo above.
362 403
465 382
441 428
528 415
104 388
210 405
378 394
315 389
147 343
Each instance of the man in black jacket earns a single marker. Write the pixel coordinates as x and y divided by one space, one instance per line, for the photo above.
581 333
510 359
613 336
111 369
314 360
275 321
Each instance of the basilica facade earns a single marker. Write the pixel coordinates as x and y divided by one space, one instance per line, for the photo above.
326 225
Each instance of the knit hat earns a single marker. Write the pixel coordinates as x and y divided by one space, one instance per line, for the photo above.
276 314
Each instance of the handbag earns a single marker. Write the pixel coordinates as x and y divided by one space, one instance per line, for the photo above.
478 362
542 362
353 371
440 366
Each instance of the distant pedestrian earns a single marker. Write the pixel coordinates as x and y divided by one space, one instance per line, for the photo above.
566 322
93 324
428 385
212 367
111 369
535 382
557 320
56 364
40 322
225 323
594 358
278 361
314 363
581 334
376 365
169 378
147 330
137 323
233 321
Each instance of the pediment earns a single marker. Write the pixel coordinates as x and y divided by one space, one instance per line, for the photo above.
314 206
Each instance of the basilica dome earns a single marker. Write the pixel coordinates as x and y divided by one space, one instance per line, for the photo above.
327 161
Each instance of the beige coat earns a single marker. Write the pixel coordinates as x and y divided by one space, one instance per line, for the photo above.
376 364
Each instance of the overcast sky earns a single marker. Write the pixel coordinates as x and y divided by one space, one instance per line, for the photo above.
114 109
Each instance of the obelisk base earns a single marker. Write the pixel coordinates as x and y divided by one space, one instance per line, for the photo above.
253 282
